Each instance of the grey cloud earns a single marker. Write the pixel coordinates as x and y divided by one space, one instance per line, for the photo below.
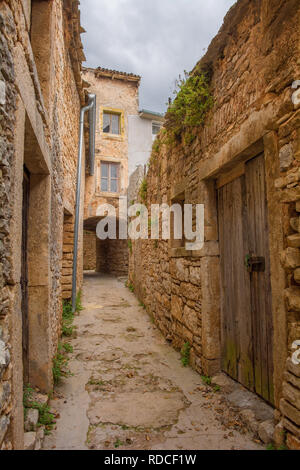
156 39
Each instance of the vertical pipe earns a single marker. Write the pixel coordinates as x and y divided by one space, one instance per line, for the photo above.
91 108
77 206
92 136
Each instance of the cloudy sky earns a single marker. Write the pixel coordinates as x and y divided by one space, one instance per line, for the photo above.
157 39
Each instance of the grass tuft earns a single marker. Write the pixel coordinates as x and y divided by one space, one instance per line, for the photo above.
185 354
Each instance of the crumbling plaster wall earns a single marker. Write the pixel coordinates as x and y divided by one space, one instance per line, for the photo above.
254 60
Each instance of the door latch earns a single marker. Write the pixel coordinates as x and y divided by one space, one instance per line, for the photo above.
255 263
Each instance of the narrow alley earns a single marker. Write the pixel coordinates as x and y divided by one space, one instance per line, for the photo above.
149 226
129 389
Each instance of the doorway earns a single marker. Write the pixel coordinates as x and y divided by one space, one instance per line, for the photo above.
246 309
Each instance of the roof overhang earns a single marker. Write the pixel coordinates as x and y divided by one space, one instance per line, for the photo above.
145 114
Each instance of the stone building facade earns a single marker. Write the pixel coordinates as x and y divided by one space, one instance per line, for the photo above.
41 95
251 137
117 99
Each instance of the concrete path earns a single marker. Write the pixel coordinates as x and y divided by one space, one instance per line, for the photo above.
129 389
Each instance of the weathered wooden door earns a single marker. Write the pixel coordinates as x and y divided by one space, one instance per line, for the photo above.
24 276
246 314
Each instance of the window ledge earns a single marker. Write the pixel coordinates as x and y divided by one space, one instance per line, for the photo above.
107 136
108 194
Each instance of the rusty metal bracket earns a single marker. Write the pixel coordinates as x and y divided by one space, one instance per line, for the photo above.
255 263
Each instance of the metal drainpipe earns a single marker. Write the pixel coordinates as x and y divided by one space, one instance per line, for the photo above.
91 107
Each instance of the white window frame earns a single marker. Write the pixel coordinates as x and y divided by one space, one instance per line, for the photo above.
109 178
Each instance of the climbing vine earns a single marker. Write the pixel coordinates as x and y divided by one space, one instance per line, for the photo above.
190 107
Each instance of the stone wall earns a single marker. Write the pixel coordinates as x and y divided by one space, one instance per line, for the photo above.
89 251
135 182
7 291
40 98
112 257
290 407
181 289
67 256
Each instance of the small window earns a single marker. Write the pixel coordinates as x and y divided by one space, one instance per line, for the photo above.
111 123
155 128
110 177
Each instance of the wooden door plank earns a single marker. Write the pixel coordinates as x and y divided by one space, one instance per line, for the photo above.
260 281
235 304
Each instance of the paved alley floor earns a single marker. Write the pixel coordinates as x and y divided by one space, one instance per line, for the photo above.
129 389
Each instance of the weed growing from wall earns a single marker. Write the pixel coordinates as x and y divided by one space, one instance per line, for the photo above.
185 354
143 190
46 418
60 366
60 360
190 107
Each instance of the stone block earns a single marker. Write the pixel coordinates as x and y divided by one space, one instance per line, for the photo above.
67 263
4 354
41 398
67 248
248 417
279 435
293 443
223 381
176 307
66 280
2 92
195 275
4 393
190 319
189 291
39 438
286 156
178 269
32 417
290 258
29 440
291 394
294 240
297 275
292 296
210 312
292 379
287 424
66 294
295 223
290 195
293 368
290 411
266 431
4 423
67 271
